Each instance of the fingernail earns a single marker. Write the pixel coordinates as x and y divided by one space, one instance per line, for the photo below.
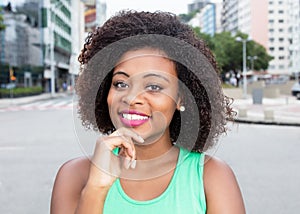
141 139
127 163
133 164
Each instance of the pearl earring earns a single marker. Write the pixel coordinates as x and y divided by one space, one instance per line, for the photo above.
181 108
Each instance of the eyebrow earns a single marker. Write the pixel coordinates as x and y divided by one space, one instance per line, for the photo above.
120 73
156 75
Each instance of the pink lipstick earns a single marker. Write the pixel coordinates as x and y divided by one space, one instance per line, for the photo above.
133 118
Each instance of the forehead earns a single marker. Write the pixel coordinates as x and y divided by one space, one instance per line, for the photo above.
146 60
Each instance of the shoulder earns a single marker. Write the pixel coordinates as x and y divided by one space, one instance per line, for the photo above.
221 188
216 167
74 172
70 180
76 167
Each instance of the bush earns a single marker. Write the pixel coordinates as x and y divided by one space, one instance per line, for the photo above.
21 92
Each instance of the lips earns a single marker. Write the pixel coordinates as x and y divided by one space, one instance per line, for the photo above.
133 118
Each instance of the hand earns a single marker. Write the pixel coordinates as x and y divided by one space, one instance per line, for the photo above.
106 166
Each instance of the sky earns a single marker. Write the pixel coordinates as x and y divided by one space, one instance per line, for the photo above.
113 6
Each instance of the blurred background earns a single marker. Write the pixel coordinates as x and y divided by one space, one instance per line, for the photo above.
257 47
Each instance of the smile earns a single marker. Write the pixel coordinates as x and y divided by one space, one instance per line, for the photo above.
133 119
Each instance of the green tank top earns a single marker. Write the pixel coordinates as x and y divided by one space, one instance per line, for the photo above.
184 194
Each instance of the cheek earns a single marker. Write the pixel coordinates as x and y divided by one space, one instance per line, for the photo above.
111 98
167 107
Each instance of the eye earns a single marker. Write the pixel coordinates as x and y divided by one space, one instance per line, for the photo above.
120 85
153 88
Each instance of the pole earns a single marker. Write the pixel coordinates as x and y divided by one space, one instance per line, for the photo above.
244 69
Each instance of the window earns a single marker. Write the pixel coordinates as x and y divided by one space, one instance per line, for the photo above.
271 11
281 57
271 21
280 21
271 48
280 2
280 11
281 48
281 66
271 39
271 30
280 29
281 39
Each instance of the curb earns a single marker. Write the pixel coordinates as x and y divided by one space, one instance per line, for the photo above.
274 123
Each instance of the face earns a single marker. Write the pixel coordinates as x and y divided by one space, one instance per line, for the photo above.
144 93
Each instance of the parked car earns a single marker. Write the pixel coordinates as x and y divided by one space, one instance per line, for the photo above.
296 90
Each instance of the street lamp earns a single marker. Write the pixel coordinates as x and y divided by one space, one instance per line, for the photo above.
252 58
244 41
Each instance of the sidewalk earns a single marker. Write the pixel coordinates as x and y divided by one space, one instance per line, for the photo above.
284 110
8 102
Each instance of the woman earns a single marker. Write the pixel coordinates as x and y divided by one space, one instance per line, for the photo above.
151 87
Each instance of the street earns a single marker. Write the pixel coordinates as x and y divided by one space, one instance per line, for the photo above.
266 162
34 143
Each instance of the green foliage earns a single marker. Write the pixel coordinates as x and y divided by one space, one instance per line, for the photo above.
206 37
229 52
187 17
2 26
20 92
263 59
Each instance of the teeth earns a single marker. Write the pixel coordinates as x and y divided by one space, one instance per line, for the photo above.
134 117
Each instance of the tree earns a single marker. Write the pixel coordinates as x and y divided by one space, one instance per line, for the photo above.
228 53
185 18
2 26
206 37
263 59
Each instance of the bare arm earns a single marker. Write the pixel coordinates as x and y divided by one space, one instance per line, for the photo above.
82 186
69 182
74 190
223 195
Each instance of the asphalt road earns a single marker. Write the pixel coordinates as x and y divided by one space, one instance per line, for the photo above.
33 144
266 161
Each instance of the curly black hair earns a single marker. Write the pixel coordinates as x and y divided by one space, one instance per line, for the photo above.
197 70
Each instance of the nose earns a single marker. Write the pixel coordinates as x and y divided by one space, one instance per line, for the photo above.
133 96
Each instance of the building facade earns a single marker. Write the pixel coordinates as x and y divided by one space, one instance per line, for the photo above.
294 48
229 18
37 29
57 29
274 24
95 14
63 34
208 17
20 50
197 5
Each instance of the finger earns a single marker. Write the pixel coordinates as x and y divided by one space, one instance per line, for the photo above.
127 152
122 142
125 160
129 133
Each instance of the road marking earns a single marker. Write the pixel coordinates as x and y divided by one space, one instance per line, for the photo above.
60 103
5 148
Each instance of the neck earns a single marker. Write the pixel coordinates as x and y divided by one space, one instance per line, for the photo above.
155 149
